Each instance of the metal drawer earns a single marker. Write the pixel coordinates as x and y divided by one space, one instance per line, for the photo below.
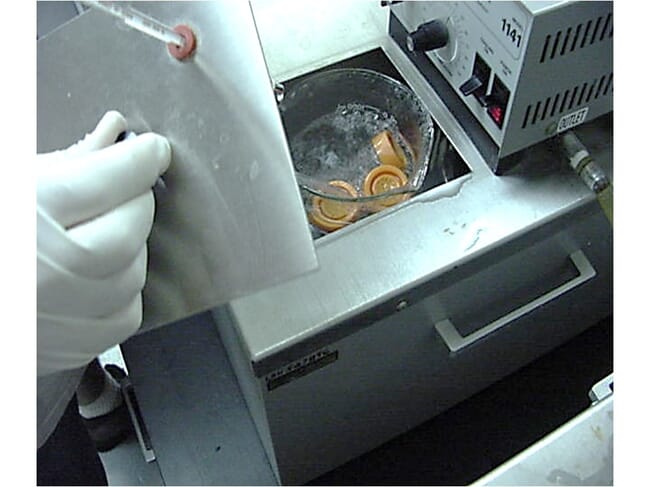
347 397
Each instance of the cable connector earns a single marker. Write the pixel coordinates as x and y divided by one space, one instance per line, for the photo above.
588 170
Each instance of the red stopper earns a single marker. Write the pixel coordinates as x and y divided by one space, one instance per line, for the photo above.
182 52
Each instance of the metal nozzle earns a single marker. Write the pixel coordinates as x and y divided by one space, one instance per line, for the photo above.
582 163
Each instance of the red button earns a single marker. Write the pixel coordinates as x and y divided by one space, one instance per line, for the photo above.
496 112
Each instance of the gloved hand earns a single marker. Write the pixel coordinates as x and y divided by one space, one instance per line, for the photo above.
95 210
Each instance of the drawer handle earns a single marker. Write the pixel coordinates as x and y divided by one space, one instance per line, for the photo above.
455 341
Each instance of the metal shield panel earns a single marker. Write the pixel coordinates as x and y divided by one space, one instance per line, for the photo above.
229 218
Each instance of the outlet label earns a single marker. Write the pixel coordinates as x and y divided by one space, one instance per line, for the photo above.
572 119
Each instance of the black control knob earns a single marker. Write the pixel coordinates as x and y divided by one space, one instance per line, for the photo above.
429 36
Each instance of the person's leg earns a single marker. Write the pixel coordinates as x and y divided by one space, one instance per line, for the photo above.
102 407
69 456
92 384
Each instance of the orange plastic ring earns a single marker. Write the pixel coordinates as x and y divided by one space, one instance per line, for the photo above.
330 215
185 51
388 151
381 179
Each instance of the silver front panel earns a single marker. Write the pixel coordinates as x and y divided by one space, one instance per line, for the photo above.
474 27
568 73
537 50
229 218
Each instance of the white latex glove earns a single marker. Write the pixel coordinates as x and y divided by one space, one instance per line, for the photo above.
95 210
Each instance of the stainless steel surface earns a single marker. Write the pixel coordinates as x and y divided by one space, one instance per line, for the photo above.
568 44
455 341
581 452
193 409
229 219
393 371
337 29
50 15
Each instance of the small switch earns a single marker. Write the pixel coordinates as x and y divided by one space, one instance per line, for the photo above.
470 86
477 85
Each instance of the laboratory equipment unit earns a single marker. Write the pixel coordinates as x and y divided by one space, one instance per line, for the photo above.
502 258
516 73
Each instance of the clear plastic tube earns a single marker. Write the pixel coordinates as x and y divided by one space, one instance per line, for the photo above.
139 21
